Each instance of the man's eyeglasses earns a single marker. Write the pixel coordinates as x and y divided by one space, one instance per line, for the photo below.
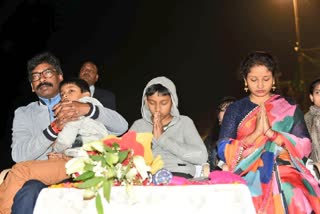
37 75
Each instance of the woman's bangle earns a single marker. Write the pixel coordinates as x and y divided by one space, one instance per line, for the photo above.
274 136
240 154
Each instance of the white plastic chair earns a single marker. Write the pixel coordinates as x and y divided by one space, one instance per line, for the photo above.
202 170
3 174
314 168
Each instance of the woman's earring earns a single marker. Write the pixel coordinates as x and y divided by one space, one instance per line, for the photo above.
245 86
273 86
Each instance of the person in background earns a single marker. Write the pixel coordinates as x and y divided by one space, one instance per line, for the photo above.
175 137
36 126
89 73
211 140
312 118
264 139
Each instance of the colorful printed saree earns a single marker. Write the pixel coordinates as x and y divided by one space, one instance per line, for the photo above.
277 177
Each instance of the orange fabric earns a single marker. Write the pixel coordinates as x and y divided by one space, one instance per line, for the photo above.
47 171
278 208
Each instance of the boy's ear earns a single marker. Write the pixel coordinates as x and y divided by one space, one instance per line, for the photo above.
84 94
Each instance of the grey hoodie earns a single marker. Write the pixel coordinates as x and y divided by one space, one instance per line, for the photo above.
180 146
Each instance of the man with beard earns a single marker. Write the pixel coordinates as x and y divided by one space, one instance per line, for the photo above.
36 126
89 73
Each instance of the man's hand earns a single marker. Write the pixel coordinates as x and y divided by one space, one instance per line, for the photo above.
69 111
57 156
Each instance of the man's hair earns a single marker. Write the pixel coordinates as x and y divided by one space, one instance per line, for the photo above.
152 89
82 84
91 62
45 57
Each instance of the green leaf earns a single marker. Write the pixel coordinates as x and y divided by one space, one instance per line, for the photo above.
96 157
99 206
88 167
101 159
91 182
123 155
103 162
85 176
111 158
108 149
116 145
107 184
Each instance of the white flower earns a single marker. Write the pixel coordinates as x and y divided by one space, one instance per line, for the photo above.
119 170
88 194
77 165
141 166
99 170
131 174
94 146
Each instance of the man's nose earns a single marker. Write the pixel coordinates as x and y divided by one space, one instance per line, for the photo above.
42 77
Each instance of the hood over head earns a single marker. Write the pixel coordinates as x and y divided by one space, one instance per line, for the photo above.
164 81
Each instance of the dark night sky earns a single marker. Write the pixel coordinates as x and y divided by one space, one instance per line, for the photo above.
197 44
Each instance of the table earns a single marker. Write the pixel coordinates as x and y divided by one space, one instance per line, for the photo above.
216 198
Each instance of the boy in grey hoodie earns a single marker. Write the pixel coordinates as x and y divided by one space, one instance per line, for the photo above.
175 137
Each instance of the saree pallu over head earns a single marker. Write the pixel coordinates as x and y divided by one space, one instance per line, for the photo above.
277 177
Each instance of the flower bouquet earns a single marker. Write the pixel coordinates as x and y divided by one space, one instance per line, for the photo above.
112 161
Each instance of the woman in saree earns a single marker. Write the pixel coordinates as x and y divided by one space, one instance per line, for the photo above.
264 138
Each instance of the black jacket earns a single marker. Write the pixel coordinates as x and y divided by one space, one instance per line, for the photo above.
106 97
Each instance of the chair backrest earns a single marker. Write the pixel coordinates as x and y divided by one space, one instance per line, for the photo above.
314 168
3 174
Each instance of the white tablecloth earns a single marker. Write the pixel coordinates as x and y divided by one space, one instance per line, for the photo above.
195 199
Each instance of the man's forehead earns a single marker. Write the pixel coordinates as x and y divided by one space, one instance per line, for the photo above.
42 66
90 66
